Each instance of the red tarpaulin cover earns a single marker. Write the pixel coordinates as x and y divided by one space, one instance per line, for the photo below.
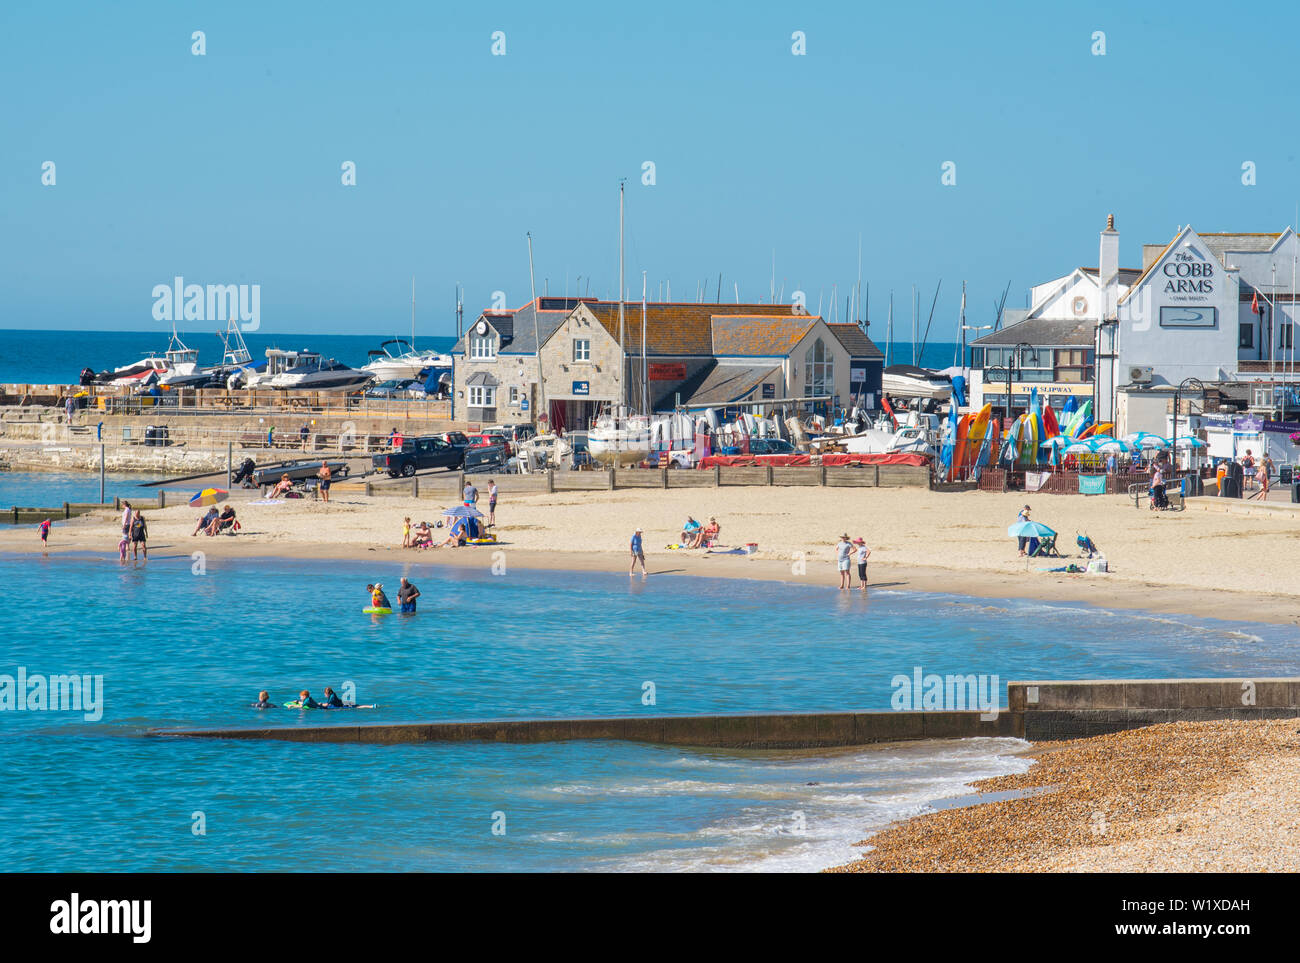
784 461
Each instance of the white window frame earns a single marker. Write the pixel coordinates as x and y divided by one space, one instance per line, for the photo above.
514 397
482 396
581 354
482 347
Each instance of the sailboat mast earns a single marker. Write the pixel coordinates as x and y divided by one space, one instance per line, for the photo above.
889 329
645 372
412 312
623 360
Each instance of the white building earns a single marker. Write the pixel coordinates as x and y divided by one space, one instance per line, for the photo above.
1216 308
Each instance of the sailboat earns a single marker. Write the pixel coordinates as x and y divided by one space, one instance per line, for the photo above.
619 436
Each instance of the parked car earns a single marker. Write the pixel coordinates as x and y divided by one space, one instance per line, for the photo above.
771 446
488 438
512 433
456 438
427 451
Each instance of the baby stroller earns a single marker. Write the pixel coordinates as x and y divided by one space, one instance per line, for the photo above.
1086 544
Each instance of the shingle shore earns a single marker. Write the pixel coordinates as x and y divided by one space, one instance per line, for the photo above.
1179 797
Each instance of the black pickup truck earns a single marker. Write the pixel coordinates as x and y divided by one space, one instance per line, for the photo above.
429 451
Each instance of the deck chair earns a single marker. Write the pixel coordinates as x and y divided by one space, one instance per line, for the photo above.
1046 548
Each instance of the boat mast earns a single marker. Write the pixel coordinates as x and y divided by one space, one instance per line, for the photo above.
889 329
623 360
412 312
537 341
645 373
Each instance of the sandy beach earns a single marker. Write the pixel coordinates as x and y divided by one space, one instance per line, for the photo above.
1180 797
1197 562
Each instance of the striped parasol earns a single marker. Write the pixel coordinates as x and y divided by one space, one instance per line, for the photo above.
209 496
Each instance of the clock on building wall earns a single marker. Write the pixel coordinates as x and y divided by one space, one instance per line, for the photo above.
1080 305
482 327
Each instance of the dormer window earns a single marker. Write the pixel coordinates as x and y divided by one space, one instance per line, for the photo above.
482 347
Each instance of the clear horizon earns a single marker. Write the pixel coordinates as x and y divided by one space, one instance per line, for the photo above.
227 167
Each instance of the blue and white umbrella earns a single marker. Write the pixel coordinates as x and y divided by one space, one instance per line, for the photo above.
1085 447
463 511
1147 440
1106 445
1187 441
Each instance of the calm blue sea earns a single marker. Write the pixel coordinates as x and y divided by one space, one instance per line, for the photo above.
57 357
177 648
38 489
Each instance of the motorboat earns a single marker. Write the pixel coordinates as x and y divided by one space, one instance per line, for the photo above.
312 372
278 361
186 373
909 381
298 471
130 374
542 452
384 365
619 438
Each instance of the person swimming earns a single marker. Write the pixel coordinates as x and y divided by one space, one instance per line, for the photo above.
264 701
378 599
332 700
305 701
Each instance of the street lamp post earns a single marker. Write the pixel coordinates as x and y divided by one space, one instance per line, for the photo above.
1185 383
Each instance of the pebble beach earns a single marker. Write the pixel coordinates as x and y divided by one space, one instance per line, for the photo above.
1178 797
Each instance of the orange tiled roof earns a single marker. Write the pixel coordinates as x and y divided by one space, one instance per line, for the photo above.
676 330
758 335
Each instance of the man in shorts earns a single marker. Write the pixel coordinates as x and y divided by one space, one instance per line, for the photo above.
638 555
325 476
843 557
406 596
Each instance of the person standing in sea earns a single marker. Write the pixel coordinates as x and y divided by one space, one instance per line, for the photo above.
126 519
843 552
638 554
861 554
139 536
406 596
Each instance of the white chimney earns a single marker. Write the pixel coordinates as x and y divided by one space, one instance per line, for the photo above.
1108 268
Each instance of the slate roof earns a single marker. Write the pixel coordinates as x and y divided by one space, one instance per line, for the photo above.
854 340
516 327
729 382
1042 331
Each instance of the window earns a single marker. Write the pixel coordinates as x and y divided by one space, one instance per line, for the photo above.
819 376
482 347
482 396
977 357
1073 365
514 396
581 349
1284 336
1245 336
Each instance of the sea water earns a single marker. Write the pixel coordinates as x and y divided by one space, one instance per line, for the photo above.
39 489
184 641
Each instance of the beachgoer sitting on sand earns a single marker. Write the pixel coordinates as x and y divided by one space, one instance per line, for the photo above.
281 487
691 532
710 533
226 520
423 536
205 522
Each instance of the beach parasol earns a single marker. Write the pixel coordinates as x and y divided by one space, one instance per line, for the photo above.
209 496
1147 440
463 511
1106 444
1187 441
1081 448
1029 530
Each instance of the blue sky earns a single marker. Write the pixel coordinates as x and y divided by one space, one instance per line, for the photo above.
225 168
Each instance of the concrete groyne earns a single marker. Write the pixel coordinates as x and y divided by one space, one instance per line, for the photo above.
1037 711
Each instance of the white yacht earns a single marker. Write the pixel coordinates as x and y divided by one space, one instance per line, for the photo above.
619 438
311 372
387 366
